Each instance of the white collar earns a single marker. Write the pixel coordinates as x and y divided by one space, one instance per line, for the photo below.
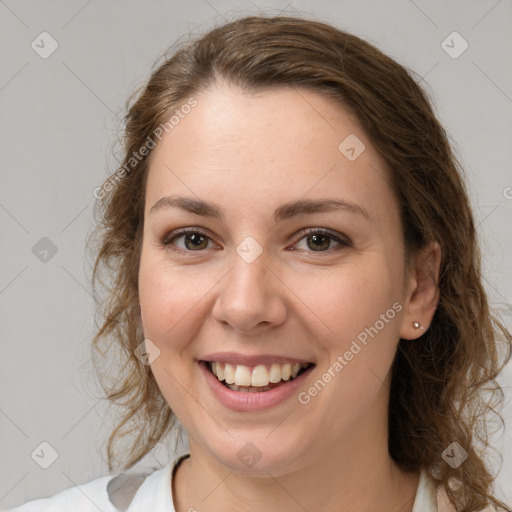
426 494
155 493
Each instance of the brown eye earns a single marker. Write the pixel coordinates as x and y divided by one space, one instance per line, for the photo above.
193 240
320 240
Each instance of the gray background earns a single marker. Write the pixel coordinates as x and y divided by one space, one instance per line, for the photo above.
60 117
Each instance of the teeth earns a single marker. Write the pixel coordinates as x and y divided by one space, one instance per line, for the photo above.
259 376
275 373
286 371
229 373
246 389
242 375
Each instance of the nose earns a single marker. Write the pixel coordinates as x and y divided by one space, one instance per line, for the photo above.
251 297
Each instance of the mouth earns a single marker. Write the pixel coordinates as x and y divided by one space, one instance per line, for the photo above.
256 378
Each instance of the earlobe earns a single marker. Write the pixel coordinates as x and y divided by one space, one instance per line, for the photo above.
422 296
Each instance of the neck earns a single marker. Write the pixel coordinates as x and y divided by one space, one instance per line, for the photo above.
356 475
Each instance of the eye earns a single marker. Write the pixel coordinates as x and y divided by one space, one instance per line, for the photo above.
318 239
194 240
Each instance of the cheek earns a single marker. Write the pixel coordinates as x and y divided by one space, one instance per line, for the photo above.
171 301
167 299
364 310
353 298
361 308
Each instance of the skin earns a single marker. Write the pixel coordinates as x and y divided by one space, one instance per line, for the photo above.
251 153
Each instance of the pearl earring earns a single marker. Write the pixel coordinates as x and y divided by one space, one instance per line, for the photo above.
416 325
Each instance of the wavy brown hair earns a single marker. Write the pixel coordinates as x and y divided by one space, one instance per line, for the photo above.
443 385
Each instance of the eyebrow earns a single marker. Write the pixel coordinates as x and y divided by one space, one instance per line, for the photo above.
285 211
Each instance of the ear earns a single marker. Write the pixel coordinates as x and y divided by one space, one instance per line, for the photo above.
421 291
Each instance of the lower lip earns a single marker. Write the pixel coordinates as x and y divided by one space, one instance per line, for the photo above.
241 401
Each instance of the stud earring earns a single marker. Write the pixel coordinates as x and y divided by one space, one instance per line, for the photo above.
416 325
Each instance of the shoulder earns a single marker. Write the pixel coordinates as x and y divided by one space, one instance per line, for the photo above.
124 492
443 502
431 496
81 498
445 505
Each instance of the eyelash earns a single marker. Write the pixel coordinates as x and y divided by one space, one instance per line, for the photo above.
167 242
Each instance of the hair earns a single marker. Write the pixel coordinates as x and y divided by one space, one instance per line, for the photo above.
443 384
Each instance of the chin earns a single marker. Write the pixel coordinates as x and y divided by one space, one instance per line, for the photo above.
255 452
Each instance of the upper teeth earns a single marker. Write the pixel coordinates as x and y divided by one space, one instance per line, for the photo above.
260 375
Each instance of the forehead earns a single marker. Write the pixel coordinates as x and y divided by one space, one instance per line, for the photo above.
267 148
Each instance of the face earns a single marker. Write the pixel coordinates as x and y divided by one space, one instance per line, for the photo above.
240 281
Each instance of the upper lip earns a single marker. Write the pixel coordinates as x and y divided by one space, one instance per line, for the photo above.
251 360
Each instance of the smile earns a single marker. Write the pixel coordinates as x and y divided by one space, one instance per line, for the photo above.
257 378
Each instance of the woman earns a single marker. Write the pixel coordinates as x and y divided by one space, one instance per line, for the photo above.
296 278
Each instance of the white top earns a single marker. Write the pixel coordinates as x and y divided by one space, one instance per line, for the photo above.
137 492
